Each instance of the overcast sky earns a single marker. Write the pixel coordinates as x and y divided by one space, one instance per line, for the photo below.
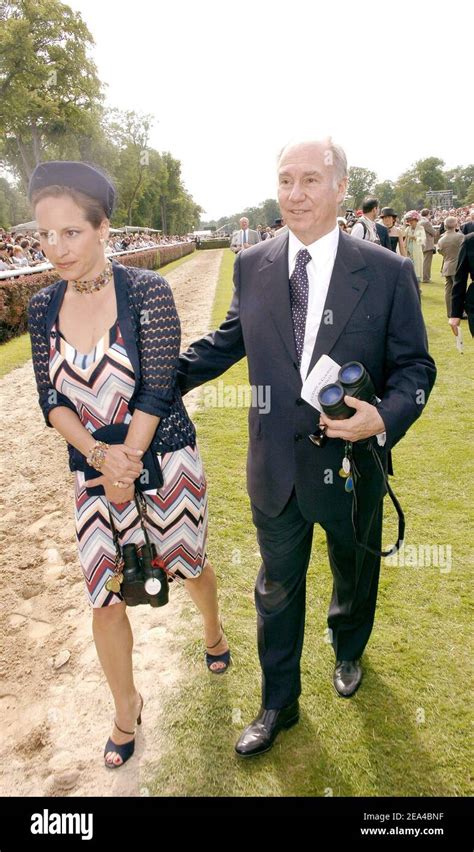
229 84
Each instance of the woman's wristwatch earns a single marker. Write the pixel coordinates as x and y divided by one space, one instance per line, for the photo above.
97 454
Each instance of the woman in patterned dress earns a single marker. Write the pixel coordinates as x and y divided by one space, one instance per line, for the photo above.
105 343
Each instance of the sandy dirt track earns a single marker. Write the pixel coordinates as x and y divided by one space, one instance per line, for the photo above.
55 705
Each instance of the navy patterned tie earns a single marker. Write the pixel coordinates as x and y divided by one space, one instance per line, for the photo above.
299 289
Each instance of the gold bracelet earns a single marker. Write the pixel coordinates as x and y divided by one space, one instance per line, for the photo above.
96 457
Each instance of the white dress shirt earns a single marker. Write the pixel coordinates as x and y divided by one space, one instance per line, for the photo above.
319 269
323 255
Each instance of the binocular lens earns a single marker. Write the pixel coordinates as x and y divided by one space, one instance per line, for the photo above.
353 380
357 382
331 394
331 400
351 373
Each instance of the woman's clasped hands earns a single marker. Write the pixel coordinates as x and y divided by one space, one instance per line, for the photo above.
121 467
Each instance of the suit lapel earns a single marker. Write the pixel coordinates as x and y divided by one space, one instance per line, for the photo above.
346 287
274 275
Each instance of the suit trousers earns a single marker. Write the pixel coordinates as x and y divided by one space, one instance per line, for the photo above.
280 592
427 261
448 289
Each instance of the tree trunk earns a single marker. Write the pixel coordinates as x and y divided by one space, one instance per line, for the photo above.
164 224
26 170
134 193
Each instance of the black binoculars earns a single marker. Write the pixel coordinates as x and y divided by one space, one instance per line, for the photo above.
352 380
143 581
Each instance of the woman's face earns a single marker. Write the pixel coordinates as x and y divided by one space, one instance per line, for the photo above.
67 239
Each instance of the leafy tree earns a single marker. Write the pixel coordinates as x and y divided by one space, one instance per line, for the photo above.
361 183
460 180
129 132
49 89
430 173
270 211
14 206
469 198
385 193
409 192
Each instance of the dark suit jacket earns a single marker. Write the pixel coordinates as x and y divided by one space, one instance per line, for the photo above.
467 228
383 235
374 316
462 297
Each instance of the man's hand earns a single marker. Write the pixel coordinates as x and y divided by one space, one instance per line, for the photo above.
454 322
363 424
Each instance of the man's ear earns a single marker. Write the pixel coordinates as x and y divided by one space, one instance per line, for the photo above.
342 190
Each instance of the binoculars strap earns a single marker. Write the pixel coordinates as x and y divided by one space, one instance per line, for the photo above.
115 534
401 516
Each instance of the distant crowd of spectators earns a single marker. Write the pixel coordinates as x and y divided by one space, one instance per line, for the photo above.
23 250
124 242
437 216
18 250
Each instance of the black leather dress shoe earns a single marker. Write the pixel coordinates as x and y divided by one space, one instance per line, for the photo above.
260 735
347 677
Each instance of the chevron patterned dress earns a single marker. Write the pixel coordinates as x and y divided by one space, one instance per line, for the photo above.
100 385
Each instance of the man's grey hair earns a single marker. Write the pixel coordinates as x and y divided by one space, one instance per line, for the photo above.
334 155
450 222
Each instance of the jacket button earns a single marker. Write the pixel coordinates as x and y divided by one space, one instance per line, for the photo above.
299 401
298 436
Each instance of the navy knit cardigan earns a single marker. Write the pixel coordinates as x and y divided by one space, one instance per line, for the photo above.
151 330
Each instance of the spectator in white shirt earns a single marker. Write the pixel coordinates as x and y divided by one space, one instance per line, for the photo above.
19 258
364 228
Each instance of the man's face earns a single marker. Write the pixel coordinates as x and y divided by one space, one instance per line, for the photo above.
388 221
244 223
306 193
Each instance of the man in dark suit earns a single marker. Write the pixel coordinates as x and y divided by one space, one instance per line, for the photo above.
311 292
468 226
462 297
384 235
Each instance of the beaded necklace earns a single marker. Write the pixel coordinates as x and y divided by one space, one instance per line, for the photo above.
95 283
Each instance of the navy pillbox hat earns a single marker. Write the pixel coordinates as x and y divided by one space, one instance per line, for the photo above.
77 175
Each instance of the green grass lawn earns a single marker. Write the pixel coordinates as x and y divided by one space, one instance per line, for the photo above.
405 733
16 352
